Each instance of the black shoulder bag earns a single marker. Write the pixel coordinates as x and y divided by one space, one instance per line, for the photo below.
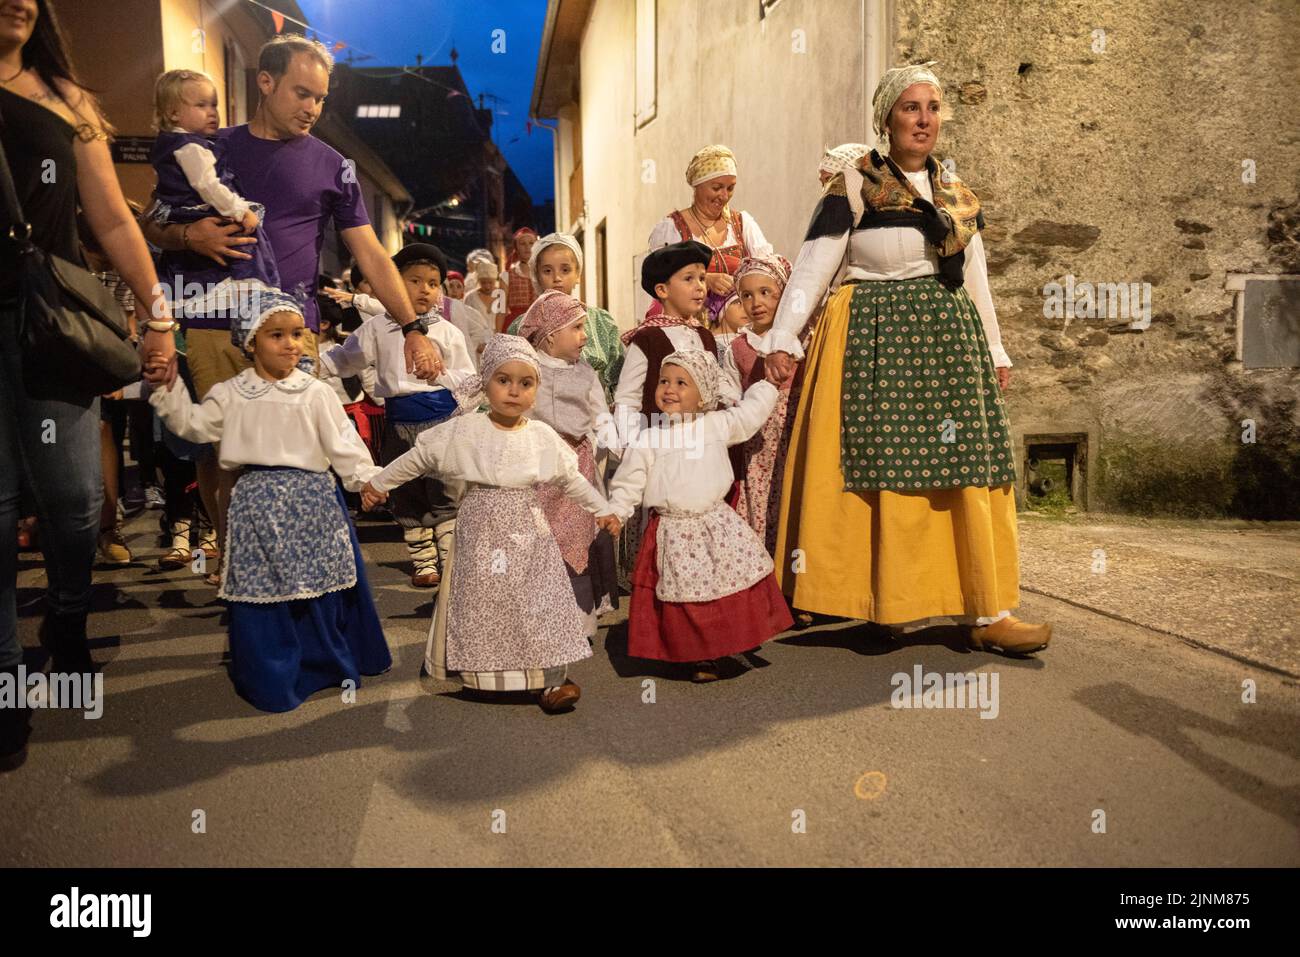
72 332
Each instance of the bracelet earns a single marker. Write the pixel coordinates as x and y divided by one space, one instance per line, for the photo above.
162 325
185 236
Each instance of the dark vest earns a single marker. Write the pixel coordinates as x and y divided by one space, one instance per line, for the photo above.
656 345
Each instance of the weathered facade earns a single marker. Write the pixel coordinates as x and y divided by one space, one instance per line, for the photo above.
1151 148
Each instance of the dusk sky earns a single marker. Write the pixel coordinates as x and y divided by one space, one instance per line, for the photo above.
393 33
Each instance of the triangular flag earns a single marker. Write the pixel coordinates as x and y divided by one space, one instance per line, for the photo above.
338 45
278 19
528 125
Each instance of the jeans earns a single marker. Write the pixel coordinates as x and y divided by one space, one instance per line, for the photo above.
50 447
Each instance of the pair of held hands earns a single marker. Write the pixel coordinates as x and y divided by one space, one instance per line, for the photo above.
371 496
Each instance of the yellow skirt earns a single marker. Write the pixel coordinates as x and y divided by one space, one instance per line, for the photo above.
888 557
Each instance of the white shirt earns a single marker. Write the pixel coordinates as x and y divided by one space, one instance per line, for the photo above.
200 169
892 252
631 379
685 465
378 342
297 422
469 448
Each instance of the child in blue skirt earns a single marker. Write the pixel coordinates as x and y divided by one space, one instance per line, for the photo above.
301 614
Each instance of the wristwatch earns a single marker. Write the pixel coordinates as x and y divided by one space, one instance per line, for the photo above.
417 325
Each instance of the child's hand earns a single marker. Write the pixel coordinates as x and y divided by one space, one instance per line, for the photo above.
371 496
338 295
250 221
159 368
610 524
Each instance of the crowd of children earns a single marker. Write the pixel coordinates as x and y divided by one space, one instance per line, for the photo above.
547 458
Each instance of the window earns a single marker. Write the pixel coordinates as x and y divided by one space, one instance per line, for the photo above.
646 66
387 111
1268 320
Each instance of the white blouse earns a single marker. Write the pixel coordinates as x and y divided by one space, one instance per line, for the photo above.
470 448
378 343
665 233
892 252
297 422
685 465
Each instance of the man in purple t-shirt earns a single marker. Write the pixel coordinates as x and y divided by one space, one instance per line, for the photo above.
304 185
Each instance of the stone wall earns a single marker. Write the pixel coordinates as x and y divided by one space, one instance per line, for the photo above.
1117 157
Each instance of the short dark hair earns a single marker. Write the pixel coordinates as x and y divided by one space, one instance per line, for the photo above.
278 52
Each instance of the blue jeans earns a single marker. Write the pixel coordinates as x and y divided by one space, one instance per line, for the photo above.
51 447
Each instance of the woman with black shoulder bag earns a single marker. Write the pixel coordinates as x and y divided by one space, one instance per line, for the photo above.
62 341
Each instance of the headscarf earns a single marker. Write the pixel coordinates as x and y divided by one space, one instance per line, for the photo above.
453 274
844 159
501 349
550 312
553 239
514 244
709 163
778 267
889 89
703 368
265 303
837 159
477 254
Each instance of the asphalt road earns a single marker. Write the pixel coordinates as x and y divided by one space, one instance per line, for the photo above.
799 759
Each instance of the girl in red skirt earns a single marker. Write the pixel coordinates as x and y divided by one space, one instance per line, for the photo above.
702 585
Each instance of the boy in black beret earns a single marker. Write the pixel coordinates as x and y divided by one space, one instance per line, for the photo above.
674 275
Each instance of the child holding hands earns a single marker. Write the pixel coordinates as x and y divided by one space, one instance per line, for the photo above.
301 614
760 283
508 622
571 400
703 585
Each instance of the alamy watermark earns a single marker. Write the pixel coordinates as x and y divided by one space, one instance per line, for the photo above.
934 689
1098 300
79 691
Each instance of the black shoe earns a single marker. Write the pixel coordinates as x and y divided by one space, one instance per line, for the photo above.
64 637
15 726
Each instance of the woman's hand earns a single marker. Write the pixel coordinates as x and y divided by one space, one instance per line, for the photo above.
216 239
1004 377
718 283
778 366
160 369
610 524
340 296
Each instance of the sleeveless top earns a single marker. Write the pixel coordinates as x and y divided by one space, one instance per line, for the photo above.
656 346
33 136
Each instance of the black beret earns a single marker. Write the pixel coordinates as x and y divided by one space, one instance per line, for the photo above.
416 252
663 263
